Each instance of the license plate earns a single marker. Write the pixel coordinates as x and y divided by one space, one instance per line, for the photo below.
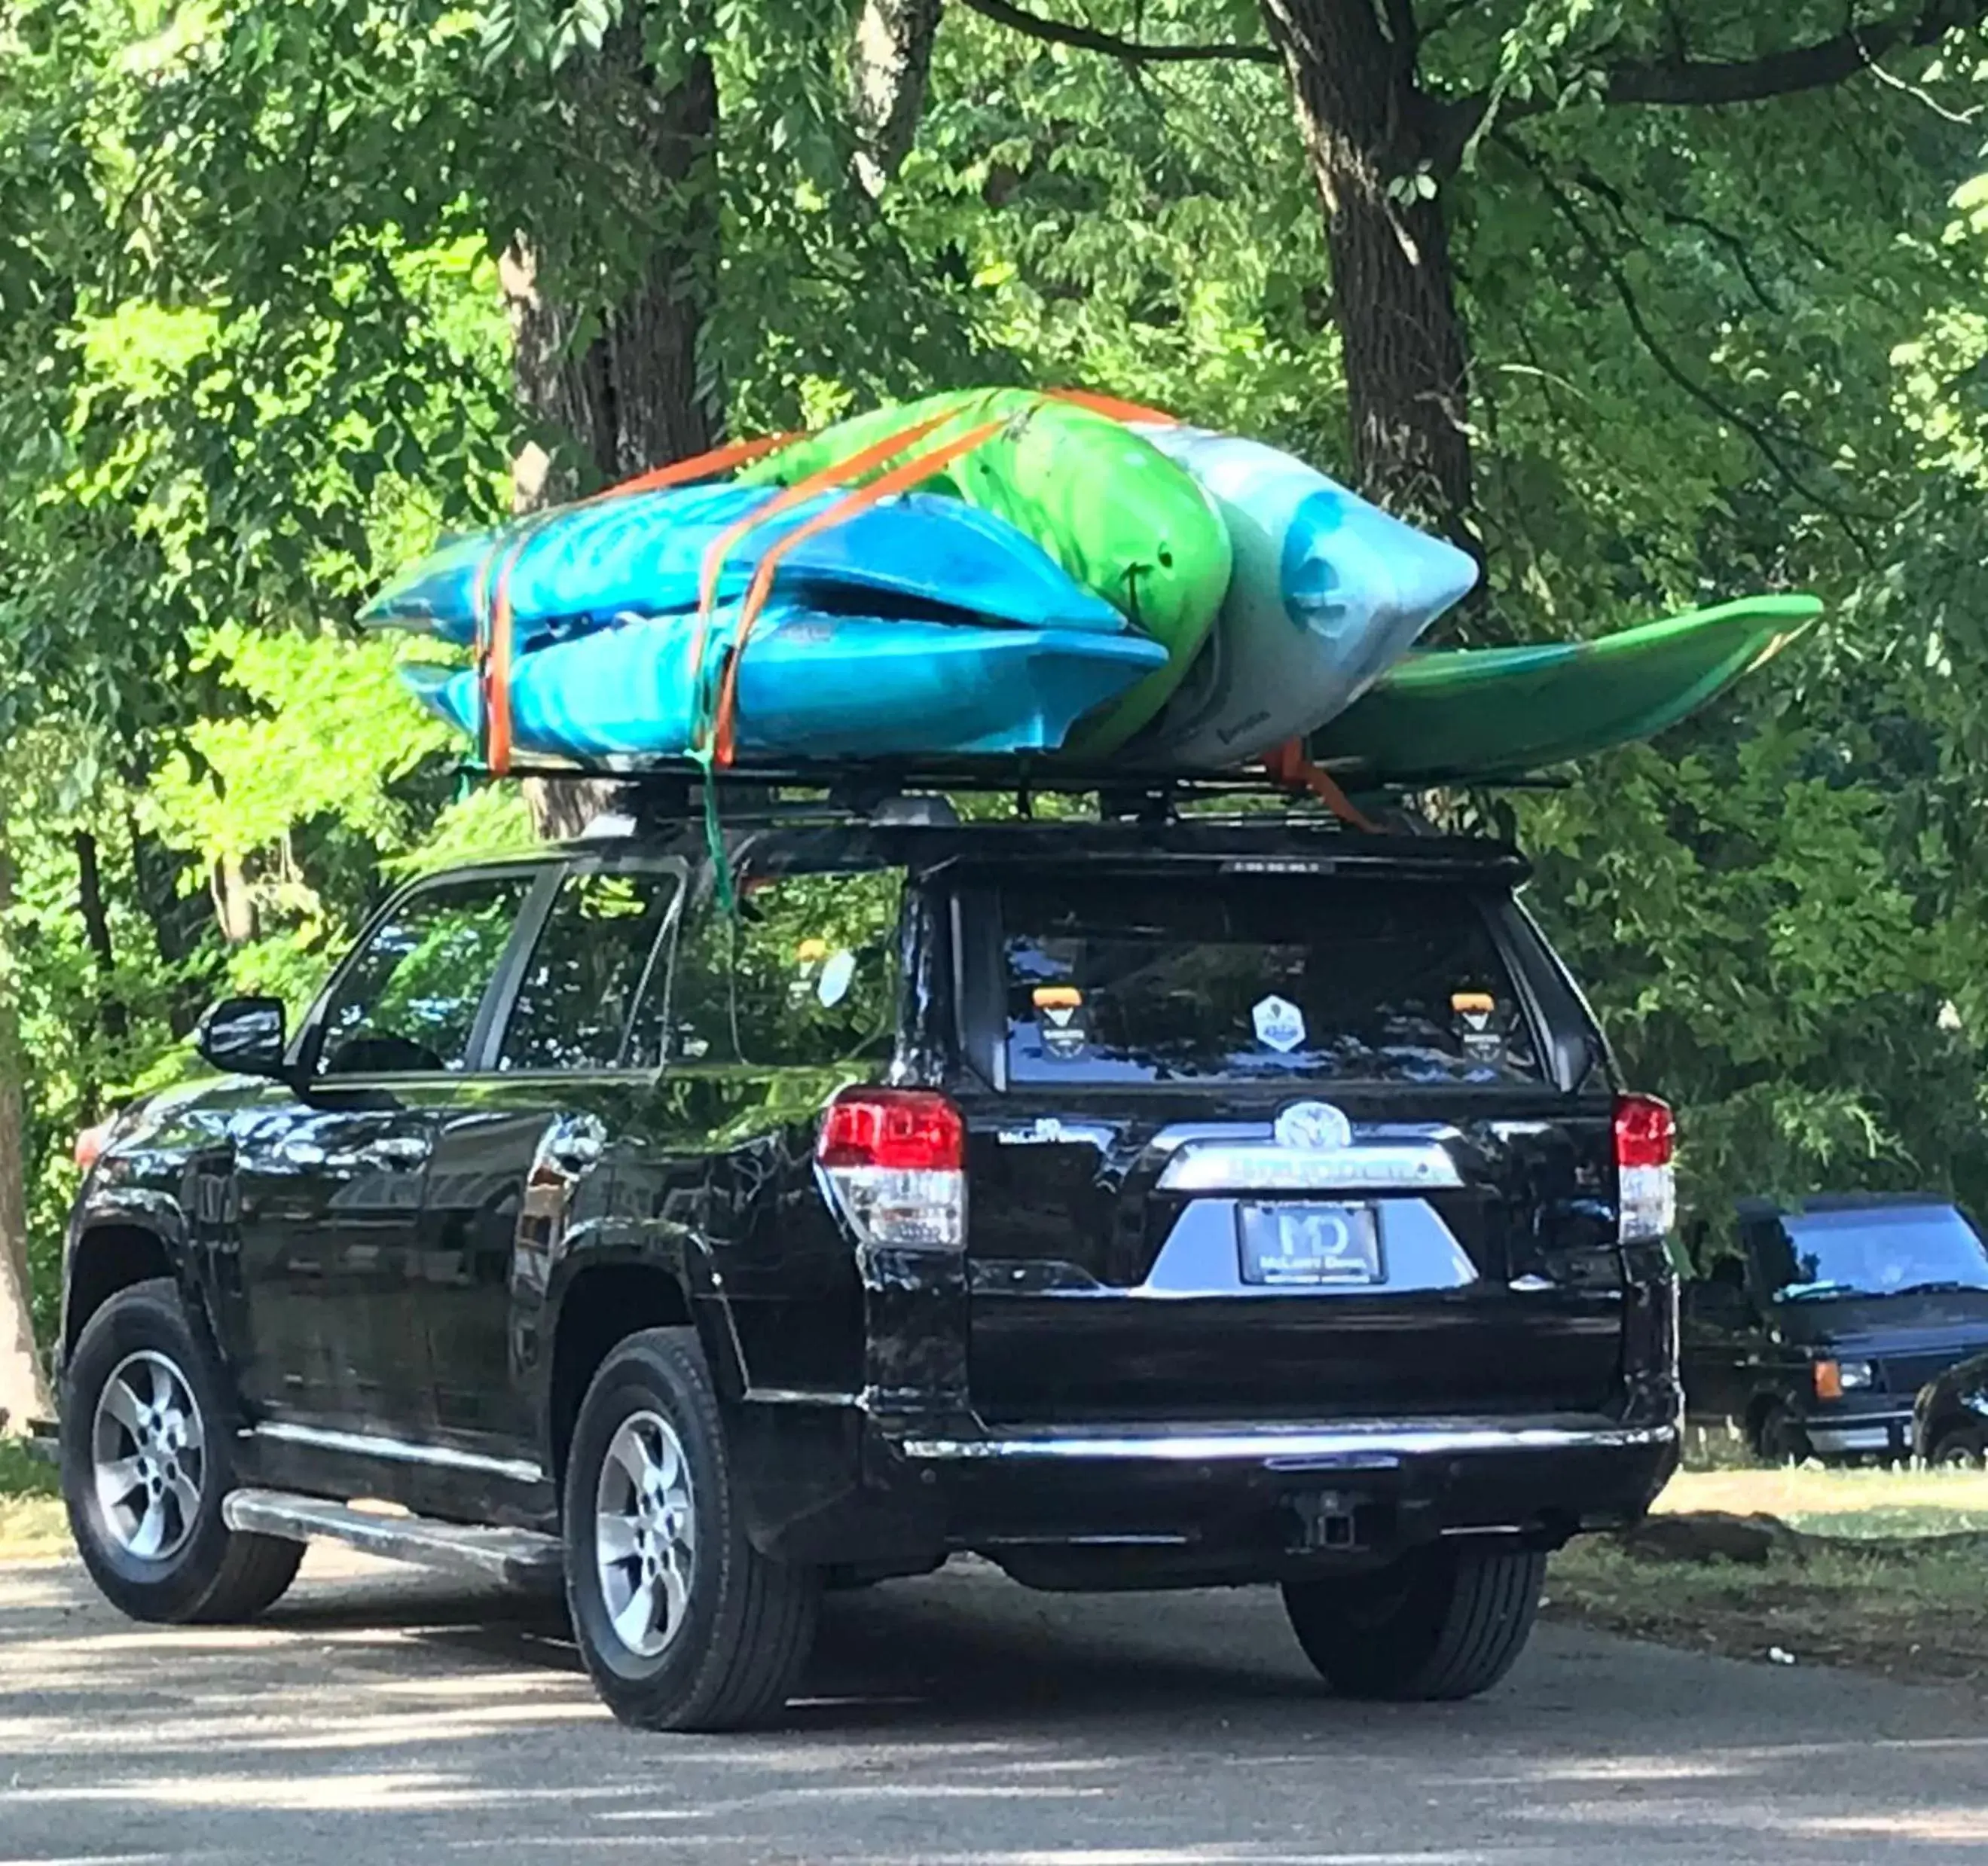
1307 1246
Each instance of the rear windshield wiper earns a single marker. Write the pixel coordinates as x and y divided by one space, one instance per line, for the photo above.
1810 1291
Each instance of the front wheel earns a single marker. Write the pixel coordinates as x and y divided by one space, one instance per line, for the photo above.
145 1437
1440 1623
1783 1439
1959 1447
682 1625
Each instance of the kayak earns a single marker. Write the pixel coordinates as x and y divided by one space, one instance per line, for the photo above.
1475 714
644 553
1327 593
811 685
1124 521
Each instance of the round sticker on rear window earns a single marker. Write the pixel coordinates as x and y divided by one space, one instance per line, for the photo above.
1279 1024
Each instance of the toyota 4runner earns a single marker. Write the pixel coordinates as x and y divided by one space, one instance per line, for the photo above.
1173 1202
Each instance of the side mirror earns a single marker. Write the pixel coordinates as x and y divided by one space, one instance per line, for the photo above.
245 1036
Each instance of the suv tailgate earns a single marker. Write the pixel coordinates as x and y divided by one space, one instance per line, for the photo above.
1251 1145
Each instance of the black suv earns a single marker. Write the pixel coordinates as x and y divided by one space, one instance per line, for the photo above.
1139 1203
1817 1338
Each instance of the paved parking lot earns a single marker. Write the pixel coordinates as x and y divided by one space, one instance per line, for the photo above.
385 1715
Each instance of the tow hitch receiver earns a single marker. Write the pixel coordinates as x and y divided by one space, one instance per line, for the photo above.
1329 1520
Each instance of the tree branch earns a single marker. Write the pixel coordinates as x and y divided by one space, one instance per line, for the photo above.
1085 39
1679 81
1768 444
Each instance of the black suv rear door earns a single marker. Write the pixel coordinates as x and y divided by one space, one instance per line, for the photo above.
1163 1057
513 1175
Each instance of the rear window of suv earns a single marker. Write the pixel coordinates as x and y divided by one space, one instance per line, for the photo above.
1141 978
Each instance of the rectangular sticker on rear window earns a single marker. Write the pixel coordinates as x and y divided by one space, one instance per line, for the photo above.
1257 977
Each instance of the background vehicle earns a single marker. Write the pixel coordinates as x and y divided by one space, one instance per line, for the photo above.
1817 1338
969 1187
1950 1416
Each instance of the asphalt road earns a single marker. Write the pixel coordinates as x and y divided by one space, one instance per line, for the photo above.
381 1716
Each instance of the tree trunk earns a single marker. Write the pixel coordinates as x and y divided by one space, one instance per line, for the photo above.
1361 115
110 1017
635 396
890 60
24 1393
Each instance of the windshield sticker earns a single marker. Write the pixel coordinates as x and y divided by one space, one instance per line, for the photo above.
1280 1024
1064 1031
1473 1011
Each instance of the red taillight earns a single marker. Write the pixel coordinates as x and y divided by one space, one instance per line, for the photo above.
895 1162
899 1131
1645 1131
1646 1181
90 1144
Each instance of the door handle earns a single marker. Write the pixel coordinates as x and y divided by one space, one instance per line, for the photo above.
397 1150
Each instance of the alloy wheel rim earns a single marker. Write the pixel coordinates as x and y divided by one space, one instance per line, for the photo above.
645 1534
148 1456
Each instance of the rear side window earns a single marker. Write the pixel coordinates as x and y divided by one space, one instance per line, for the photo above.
586 971
803 973
1257 977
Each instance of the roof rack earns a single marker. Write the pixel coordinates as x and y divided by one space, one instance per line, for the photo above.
879 789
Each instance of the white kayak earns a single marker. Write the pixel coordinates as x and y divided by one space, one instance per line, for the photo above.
1326 593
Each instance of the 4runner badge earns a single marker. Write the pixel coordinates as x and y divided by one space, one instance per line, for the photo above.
1315 1126
1279 1024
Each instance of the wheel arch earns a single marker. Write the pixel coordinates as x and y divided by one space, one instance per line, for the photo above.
600 1305
106 1259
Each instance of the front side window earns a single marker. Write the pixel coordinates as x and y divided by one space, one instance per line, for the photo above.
1140 979
408 1003
591 962
802 973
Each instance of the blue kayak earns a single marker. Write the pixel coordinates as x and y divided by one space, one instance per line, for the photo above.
811 685
644 553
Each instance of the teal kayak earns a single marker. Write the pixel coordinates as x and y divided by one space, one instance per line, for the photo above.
811 685
644 554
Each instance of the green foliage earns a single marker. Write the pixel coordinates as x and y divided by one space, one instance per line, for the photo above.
253 353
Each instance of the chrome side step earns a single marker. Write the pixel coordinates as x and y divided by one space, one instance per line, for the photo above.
519 1558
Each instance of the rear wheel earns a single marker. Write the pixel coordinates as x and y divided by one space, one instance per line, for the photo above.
146 1432
1961 1447
684 1625
1441 1622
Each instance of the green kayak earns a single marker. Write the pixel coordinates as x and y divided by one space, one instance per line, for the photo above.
1113 510
1466 715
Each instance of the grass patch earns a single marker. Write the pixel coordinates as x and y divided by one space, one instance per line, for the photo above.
1923 1616
1923 1619
32 1522
1838 1501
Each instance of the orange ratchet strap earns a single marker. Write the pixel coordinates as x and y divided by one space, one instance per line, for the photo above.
1288 765
1116 409
899 478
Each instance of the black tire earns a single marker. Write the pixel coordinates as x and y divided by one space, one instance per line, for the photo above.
1959 1447
208 1573
730 1658
1782 1439
1441 1622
